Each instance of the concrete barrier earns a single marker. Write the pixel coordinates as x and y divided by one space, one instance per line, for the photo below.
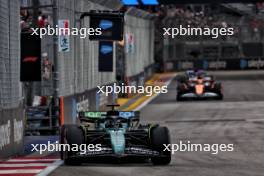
12 125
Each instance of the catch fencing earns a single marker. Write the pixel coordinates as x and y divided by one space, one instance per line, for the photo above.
11 110
78 68
139 42
10 87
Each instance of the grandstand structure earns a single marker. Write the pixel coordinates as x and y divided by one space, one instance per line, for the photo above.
184 52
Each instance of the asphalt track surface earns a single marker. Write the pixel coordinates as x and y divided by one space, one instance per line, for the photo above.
238 120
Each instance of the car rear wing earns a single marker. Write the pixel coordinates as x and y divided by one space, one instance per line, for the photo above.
100 115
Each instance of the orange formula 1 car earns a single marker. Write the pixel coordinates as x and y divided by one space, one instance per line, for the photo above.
199 86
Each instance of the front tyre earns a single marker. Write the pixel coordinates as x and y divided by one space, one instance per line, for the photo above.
159 137
179 98
72 135
220 97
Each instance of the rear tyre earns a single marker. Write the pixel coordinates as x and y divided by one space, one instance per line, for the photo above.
220 97
159 137
72 135
218 89
178 97
181 79
62 139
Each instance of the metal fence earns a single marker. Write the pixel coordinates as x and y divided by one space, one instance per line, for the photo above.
10 87
11 110
139 53
78 68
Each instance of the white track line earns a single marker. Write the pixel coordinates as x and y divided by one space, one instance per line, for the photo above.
20 171
51 168
25 164
30 160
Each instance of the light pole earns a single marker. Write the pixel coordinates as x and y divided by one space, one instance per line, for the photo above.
55 60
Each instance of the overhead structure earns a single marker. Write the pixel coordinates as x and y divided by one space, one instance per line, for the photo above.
159 2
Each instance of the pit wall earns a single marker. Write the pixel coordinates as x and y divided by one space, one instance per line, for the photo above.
11 132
